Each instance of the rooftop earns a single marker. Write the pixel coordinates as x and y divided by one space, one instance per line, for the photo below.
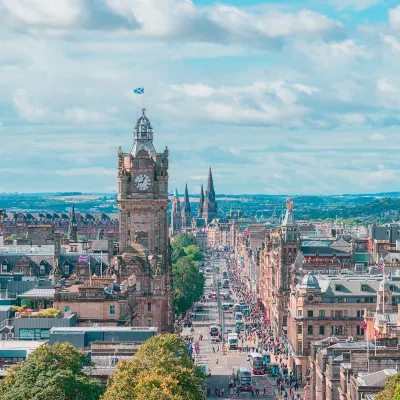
38 293
376 378
106 329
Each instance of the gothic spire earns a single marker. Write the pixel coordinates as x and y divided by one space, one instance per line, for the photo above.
289 220
186 203
201 203
73 229
210 184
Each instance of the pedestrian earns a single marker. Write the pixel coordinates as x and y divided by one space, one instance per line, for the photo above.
265 391
213 349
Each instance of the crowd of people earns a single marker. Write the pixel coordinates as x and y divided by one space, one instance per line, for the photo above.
259 333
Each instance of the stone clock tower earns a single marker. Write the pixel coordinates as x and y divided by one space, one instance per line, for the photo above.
143 193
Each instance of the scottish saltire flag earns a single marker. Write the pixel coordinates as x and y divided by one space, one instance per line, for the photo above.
83 258
139 90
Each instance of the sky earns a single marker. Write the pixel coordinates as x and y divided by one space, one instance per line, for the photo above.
279 97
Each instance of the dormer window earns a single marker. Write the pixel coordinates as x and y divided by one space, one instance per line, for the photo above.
66 269
143 131
42 269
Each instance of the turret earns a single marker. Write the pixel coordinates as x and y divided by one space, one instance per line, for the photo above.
73 228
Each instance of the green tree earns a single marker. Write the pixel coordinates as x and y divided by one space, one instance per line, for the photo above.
160 370
391 390
51 373
179 243
188 283
195 252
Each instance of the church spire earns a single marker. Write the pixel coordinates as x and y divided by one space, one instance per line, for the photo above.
186 210
201 203
210 185
210 210
72 229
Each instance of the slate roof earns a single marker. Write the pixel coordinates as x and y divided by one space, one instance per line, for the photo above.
38 293
376 378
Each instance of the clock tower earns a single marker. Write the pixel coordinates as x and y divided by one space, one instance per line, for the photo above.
143 193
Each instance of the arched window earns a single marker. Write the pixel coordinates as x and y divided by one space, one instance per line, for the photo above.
4 267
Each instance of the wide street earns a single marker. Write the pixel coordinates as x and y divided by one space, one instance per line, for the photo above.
210 352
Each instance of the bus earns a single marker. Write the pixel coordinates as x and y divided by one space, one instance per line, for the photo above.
238 316
244 379
257 363
198 307
215 330
237 308
232 341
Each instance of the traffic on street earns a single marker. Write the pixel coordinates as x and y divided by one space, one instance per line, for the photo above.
231 341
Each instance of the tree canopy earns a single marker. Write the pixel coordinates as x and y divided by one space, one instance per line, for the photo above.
391 390
188 281
51 373
160 370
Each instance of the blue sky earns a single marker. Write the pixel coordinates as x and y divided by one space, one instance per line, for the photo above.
297 97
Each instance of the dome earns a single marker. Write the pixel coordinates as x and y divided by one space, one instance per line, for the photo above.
310 282
384 283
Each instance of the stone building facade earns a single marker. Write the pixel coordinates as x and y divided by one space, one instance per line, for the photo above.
143 242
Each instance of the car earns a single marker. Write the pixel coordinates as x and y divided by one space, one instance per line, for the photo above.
205 370
228 331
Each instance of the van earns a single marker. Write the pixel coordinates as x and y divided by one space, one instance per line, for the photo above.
238 316
237 308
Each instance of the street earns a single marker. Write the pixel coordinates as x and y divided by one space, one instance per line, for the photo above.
210 352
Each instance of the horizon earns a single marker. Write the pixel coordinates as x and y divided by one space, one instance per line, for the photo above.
278 97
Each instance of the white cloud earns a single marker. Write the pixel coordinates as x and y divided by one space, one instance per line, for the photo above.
26 108
91 171
196 90
392 42
394 17
353 119
376 137
305 89
386 87
335 53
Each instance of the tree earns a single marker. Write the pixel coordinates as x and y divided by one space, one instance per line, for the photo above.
391 390
51 373
160 370
188 283
195 252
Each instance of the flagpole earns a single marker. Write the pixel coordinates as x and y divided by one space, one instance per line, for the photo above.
368 348
101 263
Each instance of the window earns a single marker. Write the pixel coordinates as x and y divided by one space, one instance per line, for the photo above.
34 334
359 330
338 288
388 232
129 232
322 329
300 346
129 214
299 313
42 270
112 310
310 330
138 287
338 330
310 313
299 329
66 309
4 268
149 322
364 288
392 288
148 307
66 269
360 313
322 313
338 313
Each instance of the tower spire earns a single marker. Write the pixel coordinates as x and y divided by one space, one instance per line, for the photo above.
201 203
73 229
210 184
186 210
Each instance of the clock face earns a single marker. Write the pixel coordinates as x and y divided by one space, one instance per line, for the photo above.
142 182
